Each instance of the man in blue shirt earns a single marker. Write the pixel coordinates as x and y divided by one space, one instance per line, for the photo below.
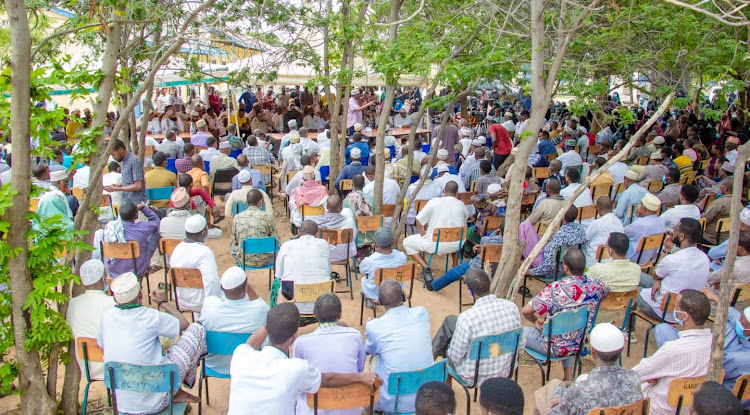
353 169
247 99
646 223
545 147
362 146
632 195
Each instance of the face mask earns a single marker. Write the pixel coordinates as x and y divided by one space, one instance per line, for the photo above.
740 330
674 314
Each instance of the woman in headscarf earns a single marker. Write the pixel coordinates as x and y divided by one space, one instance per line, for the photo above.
310 193
52 204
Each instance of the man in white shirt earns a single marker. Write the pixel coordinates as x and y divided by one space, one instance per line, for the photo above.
685 209
85 311
617 170
172 226
268 381
523 124
571 177
428 191
599 230
129 333
163 101
334 219
113 178
570 157
401 119
444 176
465 141
81 176
211 151
401 341
304 260
308 145
241 310
508 123
688 268
192 253
441 212
391 189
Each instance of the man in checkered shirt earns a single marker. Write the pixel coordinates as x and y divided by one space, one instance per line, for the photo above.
489 315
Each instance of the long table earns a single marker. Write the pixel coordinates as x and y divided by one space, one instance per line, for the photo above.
278 136
396 132
161 136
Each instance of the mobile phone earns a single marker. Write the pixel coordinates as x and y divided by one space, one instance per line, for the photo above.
287 289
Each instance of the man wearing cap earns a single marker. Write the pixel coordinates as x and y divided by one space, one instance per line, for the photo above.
292 115
501 143
201 136
645 223
257 177
354 114
192 253
267 380
439 212
608 385
685 357
85 311
401 119
240 195
310 193
307 143
429 191
394 169
199 195
239 310
465 141
303 260
160 177
569 157
444 175
133 183
656 171
384 256
442 157
172 226
718 209
632 195
332 347
508 123
130 334
575 290
730 148
252 222
545 148
363 147
208 153
354 168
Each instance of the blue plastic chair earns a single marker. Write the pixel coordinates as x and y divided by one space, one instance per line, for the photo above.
393 151
234 153
436 235
408 383
425 148
83 345
324 171
159 193
562 323
207 167
265 245
414 178
171 166
487 347
238 207
217 343
144 379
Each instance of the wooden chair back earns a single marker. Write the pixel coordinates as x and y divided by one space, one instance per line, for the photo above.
419 204
551 156
401 273
336 236
600 190
308 293
688 178
702 221
741 390
346 184
263 169
186 278
444 235
369 223
707 201
681 389
641 161
77 192
167 245
33 205
307 210
655 185
290 175
722 225
620 188
127 250
94 353
528 200
586 212
541 172
491 253
703 165
356 395
148 151
602 253
668 302
388 210
473 187
618 300
466 197
593 150
636 408
541 227
740 293
490 223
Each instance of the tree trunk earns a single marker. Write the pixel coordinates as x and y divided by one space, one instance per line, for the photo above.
726 285
555 223
35 399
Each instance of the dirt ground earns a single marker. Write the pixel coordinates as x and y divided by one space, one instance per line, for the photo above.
440 304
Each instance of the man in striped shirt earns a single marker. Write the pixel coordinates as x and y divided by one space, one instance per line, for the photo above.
686 356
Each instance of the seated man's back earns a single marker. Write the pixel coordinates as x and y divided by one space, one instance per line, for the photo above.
401 340
192 253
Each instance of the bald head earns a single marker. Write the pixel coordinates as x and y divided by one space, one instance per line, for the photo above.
242 161
451 188
479 153
308 228
555 166
603 205
334 204
390 294
196 161
553 187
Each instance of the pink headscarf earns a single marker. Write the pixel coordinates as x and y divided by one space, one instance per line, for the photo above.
310 193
